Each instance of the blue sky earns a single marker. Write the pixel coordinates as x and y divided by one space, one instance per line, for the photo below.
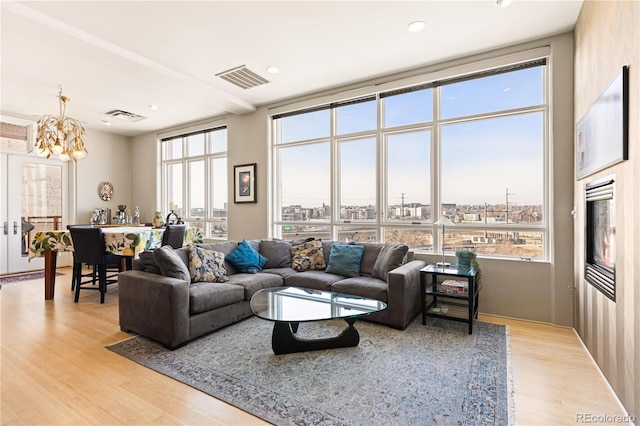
480 159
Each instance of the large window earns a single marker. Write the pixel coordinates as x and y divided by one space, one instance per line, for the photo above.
387 166
194 178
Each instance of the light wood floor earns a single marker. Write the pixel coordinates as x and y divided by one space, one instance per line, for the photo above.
55 370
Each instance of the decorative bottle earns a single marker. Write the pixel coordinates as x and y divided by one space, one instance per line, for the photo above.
157 220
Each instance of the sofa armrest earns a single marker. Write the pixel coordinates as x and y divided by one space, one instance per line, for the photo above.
154 306
403 292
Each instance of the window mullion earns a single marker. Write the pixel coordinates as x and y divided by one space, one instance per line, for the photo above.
335 176
436 175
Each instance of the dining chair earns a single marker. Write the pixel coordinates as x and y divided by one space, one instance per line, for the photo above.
174 235
89 248
73 275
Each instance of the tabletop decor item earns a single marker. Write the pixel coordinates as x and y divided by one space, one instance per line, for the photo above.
467 259
444 222
157 220
244 177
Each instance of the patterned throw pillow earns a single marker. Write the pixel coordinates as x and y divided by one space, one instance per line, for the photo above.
206 265
307 256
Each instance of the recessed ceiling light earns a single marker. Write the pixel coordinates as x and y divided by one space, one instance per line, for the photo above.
106 123
153 107
416 26
503 3
273 70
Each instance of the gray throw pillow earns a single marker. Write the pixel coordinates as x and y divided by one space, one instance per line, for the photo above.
278 252
171 264
147 263
391 256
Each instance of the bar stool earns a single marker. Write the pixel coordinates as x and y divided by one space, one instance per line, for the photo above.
88 246
174 235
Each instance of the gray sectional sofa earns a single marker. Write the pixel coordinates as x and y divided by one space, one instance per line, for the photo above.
173 311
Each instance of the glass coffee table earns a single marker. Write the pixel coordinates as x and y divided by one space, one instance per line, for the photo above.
287 307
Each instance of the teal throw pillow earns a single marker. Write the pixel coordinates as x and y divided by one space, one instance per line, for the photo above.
345 259
246 259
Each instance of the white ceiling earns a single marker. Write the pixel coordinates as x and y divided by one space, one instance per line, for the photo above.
130 54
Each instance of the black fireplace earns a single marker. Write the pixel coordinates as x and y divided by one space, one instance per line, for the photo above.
600 259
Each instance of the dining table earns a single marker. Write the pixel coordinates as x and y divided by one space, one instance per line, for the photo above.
126 241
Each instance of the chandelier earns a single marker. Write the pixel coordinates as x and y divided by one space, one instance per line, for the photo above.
61 136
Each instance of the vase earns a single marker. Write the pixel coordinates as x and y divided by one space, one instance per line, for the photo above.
157 220
464 258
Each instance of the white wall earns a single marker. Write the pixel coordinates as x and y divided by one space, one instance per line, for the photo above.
145 173
109 159
249 143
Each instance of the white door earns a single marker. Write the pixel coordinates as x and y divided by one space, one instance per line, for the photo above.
33 199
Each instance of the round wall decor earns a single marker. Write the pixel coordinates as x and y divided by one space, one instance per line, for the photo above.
105 191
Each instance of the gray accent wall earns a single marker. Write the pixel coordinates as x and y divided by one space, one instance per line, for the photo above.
607 36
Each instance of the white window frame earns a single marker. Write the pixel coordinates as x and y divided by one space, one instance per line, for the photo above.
381 224
206 222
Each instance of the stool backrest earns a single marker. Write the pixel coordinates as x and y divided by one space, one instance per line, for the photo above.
174 235
88 245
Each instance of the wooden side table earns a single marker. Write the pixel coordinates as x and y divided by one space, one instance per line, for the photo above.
455 285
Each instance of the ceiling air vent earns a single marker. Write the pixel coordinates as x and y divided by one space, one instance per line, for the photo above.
242 77
124 115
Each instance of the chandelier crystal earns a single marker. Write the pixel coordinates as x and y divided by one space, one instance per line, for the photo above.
61 136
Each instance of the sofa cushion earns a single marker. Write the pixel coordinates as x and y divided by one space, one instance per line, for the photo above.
147 263
345 259
171 264
254 282
205 296
326 250
391 256
206 265
225 247
369 257
373 288
283 272
278 253
308 256
246 259
318 280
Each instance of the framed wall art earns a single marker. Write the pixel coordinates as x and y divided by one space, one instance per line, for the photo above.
602 134
244 177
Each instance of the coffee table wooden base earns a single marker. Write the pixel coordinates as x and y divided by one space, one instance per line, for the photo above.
284 341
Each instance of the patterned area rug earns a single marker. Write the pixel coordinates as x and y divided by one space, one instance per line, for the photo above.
23 277
433 374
